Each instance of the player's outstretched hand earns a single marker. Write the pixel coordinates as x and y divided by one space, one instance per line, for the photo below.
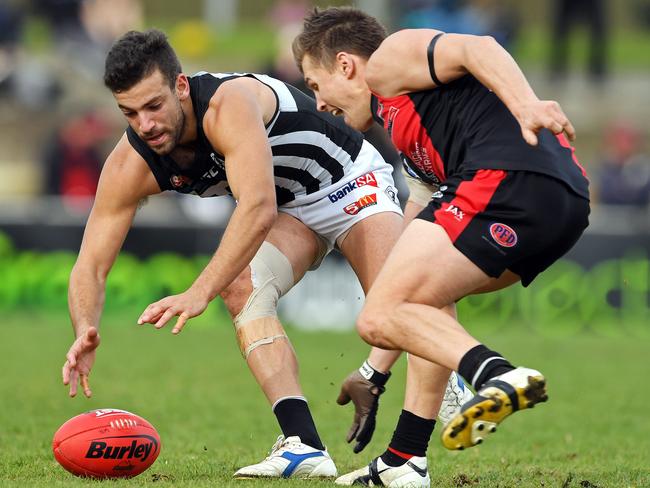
186 305
365 397
79 362
543 114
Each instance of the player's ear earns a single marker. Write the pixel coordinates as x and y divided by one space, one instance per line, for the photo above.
345 64
182 87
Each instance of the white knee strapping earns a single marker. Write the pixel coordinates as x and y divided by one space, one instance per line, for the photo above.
272 277
259 332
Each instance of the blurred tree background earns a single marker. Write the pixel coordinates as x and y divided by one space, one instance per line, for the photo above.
58 122
51 82
55 72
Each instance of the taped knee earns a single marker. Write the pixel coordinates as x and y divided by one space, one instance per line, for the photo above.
259 332
272 277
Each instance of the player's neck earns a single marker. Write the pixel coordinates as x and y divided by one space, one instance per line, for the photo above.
189 133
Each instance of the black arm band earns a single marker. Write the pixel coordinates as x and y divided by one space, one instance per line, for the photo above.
371 374
430 49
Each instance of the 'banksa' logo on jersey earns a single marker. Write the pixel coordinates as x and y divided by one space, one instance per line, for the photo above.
363 180
503 235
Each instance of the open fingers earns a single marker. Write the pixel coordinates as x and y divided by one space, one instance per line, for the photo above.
166 316
71 357
151 313
65 373
156 318
74 378
180 323
85 385
352 433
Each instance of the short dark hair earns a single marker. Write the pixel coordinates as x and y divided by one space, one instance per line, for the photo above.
328 32
136 55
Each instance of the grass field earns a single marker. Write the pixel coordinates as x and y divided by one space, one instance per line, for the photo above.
196 390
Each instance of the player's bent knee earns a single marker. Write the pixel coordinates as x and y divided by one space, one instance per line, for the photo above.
271 276
369 327
237 293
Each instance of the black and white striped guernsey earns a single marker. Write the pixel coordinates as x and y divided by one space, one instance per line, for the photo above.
312 150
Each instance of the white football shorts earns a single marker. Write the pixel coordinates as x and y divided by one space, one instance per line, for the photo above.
369 189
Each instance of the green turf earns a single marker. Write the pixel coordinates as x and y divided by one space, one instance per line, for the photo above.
212 419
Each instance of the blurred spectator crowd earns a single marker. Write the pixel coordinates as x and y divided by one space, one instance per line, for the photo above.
41 85
79 33
624 171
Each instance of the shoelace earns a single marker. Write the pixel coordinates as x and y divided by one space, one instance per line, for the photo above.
280 443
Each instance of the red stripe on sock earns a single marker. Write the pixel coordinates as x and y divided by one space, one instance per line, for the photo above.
401 454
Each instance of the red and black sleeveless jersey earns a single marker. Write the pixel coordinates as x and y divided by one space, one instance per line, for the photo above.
462 126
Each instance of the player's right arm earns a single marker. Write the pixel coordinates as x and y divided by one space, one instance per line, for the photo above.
125 180
453 56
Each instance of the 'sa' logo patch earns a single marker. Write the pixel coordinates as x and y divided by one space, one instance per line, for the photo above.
363 202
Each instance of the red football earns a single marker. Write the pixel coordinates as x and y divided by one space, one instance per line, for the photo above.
106 443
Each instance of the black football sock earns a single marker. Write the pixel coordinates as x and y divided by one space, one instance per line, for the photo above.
480 364
411 438
295 418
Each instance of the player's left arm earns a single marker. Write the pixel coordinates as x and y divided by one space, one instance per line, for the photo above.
453 56
234 124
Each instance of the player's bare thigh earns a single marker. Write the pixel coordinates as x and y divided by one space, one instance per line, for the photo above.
505 280
293 239
368 244
424 267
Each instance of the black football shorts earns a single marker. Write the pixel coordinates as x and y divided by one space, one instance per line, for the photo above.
516 220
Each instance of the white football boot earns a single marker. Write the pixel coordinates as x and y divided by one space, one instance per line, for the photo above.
290 458
412 474
456 394
498 398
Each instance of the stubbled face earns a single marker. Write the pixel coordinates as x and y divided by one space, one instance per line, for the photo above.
154 112
338 93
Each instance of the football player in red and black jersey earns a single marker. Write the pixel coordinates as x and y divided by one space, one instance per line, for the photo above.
497 196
